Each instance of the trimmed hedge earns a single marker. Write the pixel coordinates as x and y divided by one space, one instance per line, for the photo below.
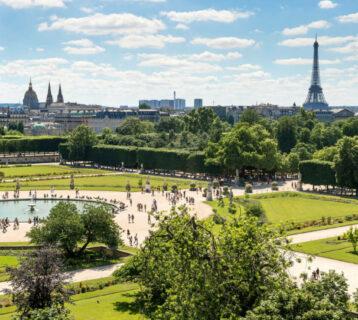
33 144
318 173
152 159
114 155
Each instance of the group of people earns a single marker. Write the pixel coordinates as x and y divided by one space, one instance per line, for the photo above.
315 274
5 223
36 221
132 240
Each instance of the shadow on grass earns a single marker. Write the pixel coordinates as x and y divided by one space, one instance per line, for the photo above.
132 307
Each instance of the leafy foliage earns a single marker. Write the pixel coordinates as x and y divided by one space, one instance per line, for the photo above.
185 272
38 283
74 230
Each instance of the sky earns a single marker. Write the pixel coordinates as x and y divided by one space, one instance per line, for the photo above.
227 52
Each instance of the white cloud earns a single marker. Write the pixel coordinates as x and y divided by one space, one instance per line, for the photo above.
40 49
327 4
224 16
82 46
2 48
351 47
323 41
244 67
102 24
80 43
87 10
224 43
210 56
88 50
351 58
321 24
176 63
349 18
302 61
23 4
149 41
181 26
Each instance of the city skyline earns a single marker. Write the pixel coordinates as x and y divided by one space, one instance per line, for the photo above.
117 52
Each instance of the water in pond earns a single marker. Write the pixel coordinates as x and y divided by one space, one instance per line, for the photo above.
20 209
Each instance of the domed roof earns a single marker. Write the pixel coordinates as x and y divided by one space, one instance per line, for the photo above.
39 126
30 98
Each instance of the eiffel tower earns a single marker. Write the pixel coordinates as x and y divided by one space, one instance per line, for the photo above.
315 98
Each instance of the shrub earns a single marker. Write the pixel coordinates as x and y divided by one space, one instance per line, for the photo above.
248 188
216 184
274 186
174 187
329 220
192 186
226 191
255 209
218 219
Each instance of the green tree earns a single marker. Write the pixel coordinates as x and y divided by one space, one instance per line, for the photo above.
74 230
38 283
352 237
323 299
326 154
199 120
254 209
185 272
286 134
133 126
250 116
144 106
244 146
20 127
293 162
166 124
346 163
82 139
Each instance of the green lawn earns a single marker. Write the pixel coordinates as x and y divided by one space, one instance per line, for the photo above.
49 170
6 261
293 207
105 183
329 248
301 209
115 302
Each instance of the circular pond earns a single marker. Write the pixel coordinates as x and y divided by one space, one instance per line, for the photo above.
25 209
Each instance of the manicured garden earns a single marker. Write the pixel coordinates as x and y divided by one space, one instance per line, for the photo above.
103 183
332 248
111 302
296 212
26 171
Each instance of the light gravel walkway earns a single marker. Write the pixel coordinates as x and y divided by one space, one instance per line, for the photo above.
320 234
80 275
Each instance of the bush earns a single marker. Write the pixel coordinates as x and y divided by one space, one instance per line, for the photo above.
174 187
218 219
216 184
255 209
274 186
225 191
248 188
192 187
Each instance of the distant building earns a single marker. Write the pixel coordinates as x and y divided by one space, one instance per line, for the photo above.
342 114
198 103
179 104
30 98
167 103
113 118
154 104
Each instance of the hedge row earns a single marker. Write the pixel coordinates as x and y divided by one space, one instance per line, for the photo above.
158 159
33 144
318 173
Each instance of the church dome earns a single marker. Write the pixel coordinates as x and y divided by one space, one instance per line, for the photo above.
30 98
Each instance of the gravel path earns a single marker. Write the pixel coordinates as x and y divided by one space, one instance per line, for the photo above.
81 275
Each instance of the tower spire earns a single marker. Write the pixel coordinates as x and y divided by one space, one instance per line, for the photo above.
49 99
59 96
315 99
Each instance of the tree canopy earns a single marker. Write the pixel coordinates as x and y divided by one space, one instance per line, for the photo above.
75 230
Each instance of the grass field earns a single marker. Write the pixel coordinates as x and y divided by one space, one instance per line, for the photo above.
329 248
115 302
302 209
103 183
298 208
49 170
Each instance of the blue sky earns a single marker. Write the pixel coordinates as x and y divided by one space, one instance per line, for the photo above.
115 52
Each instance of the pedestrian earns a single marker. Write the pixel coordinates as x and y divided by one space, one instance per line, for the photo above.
129 218
132 218
149 219
317 273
